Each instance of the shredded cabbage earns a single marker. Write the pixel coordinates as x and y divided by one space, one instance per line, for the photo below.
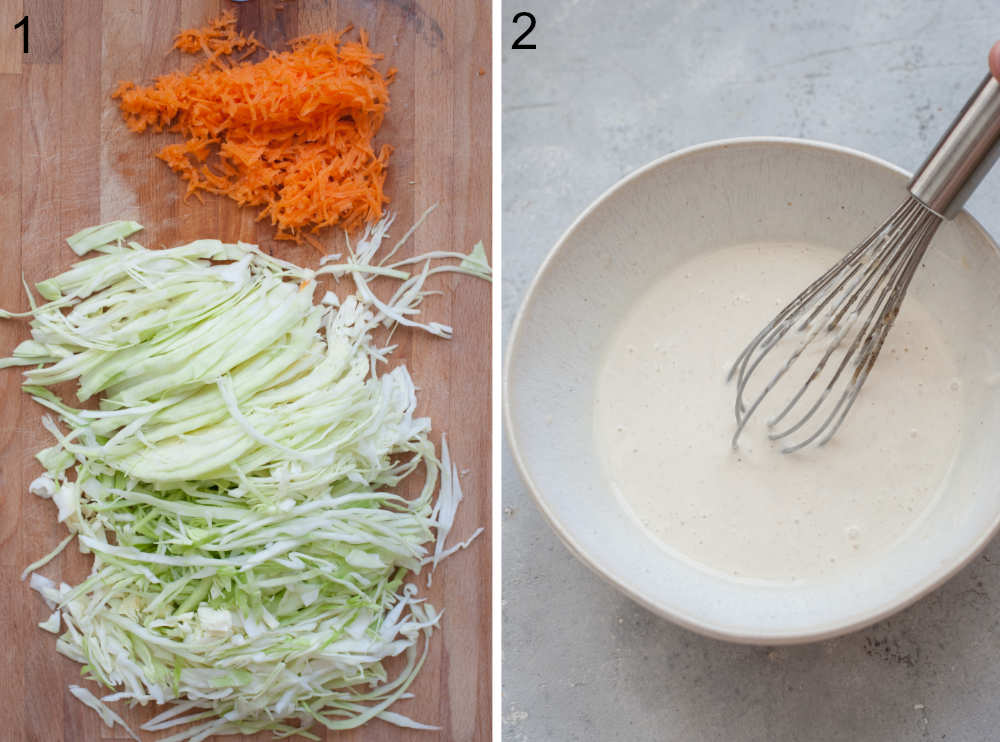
236 482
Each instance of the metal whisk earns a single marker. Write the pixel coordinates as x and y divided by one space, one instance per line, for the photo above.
853 305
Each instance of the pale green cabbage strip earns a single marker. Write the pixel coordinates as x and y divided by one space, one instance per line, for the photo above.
236 484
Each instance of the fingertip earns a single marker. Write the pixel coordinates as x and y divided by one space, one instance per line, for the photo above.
995 60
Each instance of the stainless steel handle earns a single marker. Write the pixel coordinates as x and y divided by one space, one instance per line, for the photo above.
964 155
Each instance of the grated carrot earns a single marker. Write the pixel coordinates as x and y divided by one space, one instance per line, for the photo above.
291 134
218 38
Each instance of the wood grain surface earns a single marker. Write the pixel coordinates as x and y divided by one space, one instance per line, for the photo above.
67 161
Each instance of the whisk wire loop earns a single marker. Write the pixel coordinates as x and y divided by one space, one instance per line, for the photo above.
857 298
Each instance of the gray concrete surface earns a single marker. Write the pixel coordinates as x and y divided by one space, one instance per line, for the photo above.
610 87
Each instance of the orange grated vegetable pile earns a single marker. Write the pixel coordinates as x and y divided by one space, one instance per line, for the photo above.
291 134
219 37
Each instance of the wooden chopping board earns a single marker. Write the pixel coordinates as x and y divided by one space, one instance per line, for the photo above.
67 162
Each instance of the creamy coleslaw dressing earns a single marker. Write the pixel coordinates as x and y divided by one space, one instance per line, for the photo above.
664 419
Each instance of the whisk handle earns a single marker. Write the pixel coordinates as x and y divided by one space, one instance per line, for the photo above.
964 155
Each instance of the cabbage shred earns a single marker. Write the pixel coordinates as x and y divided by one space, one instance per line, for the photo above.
235 483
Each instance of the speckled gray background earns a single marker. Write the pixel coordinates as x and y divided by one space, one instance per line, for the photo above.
610 87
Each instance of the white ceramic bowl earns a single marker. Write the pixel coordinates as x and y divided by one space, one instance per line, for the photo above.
710 196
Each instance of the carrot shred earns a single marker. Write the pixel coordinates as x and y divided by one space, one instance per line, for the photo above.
291 134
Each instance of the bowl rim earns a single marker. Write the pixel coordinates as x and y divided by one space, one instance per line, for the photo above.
934 580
